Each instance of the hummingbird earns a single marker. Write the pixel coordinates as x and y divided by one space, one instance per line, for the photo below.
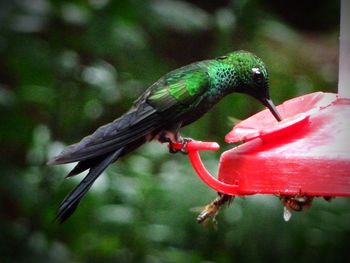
177 99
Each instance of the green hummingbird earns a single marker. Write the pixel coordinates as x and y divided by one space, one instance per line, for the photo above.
177 99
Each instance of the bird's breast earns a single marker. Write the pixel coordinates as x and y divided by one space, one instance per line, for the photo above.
202 106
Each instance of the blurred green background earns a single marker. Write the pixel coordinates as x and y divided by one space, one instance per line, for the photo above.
67 67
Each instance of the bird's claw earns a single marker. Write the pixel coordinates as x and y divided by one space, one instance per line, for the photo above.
173 148
184 142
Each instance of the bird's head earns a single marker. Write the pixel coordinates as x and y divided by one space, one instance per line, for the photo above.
251 77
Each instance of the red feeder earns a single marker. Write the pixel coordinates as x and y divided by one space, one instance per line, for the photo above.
308 153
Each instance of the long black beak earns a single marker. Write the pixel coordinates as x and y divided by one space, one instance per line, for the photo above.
269 104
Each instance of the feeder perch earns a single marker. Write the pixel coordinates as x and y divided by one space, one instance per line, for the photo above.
307 153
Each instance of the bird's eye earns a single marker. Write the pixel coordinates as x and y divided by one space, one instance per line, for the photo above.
258 77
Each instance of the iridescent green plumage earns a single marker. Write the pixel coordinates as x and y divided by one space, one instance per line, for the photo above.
175 100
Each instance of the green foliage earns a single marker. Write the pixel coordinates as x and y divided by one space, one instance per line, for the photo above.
67 67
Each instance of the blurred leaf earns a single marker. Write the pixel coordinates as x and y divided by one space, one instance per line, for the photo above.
181 15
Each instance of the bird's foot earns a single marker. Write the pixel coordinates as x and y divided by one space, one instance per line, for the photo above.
176 142
212 209
174 146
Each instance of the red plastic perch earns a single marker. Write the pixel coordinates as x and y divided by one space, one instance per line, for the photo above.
307 153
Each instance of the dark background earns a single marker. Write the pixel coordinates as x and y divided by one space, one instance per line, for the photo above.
67 67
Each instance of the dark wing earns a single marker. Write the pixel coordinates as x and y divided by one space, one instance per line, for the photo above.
133 125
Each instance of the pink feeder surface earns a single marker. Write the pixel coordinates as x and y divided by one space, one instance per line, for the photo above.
307 153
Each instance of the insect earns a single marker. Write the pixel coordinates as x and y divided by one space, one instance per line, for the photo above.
294 203
212 209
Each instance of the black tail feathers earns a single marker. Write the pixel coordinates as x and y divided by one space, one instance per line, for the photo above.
97 166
